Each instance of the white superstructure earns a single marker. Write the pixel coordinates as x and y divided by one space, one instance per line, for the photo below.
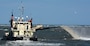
22 28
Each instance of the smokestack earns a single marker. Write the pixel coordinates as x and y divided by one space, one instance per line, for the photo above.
31 22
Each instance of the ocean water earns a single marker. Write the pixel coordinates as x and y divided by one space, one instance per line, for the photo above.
51 37
46 43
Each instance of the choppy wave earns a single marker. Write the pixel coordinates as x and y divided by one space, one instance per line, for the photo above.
30 43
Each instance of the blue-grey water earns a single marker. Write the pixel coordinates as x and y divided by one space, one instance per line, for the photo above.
53 37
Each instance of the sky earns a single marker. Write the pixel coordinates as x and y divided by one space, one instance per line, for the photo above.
69 12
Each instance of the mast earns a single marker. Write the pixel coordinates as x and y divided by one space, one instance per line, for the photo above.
21 10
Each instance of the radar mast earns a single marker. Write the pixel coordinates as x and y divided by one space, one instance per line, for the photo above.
21 10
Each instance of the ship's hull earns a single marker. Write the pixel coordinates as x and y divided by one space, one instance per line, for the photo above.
18 38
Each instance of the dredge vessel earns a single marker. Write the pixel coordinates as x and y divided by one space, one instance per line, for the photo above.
21 29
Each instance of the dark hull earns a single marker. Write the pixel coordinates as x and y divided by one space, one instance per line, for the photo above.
17 38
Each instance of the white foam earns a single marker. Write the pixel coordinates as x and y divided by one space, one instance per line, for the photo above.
84 38
31 43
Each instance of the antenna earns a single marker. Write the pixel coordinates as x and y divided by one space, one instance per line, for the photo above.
21 10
